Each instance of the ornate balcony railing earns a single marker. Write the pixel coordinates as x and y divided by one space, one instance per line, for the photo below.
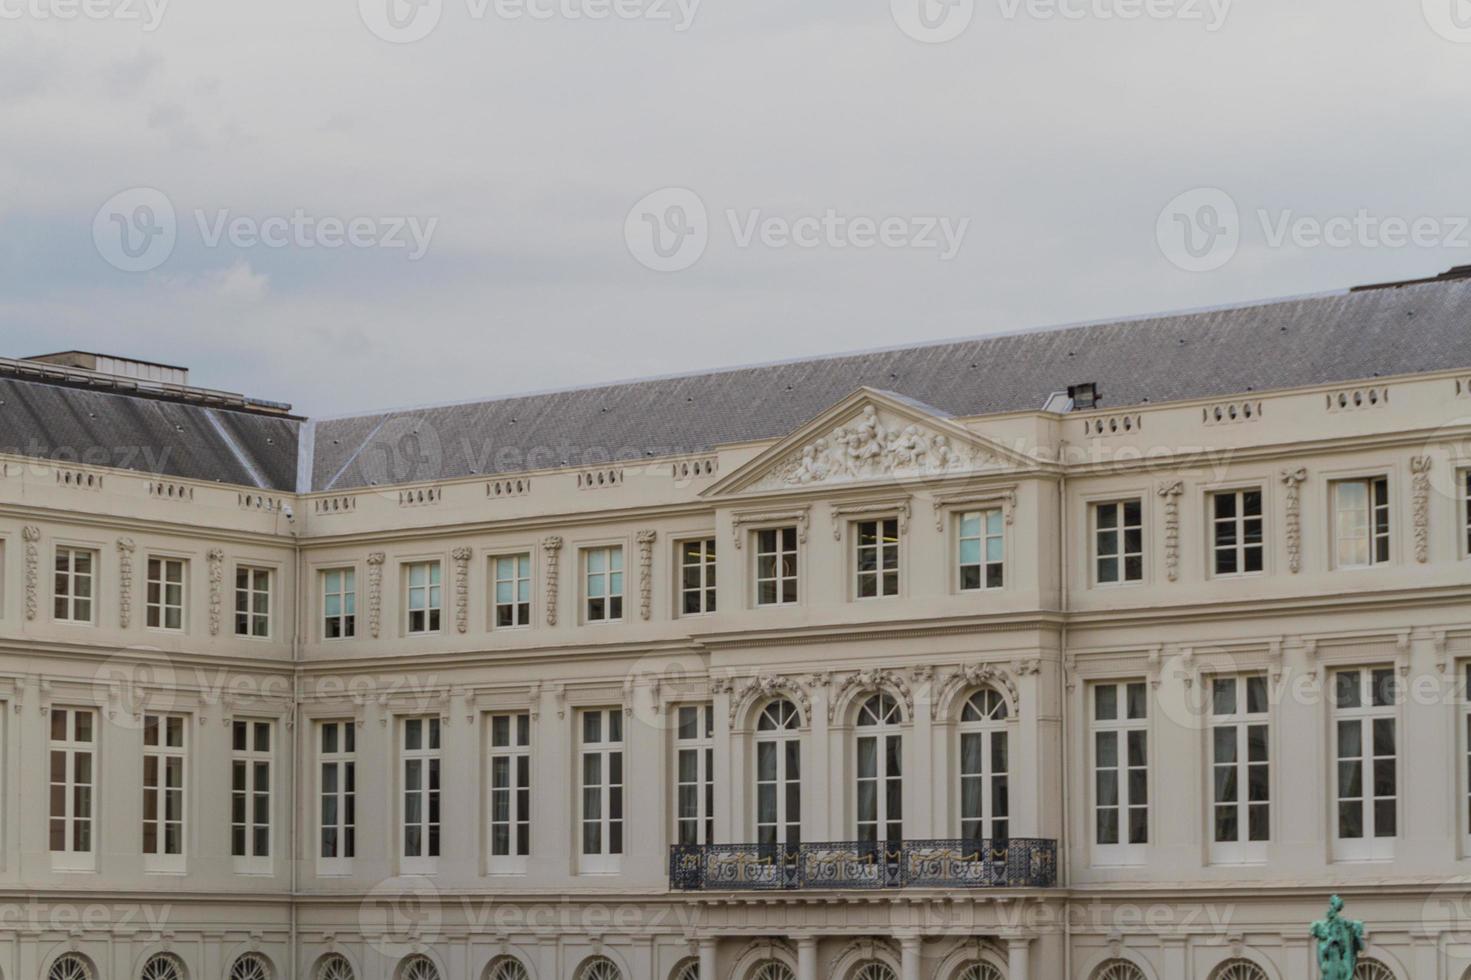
1018 862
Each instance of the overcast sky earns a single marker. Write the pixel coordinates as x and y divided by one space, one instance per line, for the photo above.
822 175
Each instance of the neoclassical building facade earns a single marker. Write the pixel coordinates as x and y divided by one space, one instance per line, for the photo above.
1102 653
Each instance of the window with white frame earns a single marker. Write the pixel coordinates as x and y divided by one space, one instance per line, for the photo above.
1361 522
600 746
164 605
1120 769
1118 541
512 590
1466 746
74 585
985 767
1464 483
694 764
697 576
603 583
251 774
776 566
779 774
1236 532
164 758
510 791
1241 769
981 547
252 601
880 770
422 596
339 603
337 791
876 558
420 761
72 751
1367 773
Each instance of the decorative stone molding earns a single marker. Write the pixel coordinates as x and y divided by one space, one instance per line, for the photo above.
1005 498
964 678
461 558
1293 479
765 686
31 533
375 593
216 557
873 680
552 547
1171 492
1420 486
842 512
871 445
125 547
646 572
797 517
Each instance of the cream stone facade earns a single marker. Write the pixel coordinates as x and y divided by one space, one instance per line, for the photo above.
1153 682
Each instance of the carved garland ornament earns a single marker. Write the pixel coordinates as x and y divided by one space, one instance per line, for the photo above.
976 675
866 447
1420 467
873 680
769 686
125 548
646 572
462 588
1293 479
216 557
1171 492
375 593
552 546
31 533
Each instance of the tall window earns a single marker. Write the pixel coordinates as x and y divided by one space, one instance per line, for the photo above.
982 549
1121 765
601 747
1236 531
74 585
512 590
1367 782
694 764
510 791
1465 483
421 770
876 557
1361 522
985 767
164 751
252 601
422 592
697 576
250 791
337 792
603 583
776 566
778 775
1240 769
339 603
1118 541
165 604
72 777
880 788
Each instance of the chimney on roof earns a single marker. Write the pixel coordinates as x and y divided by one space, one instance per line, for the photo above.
123 367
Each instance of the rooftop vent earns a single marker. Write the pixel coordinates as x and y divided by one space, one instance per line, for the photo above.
123 367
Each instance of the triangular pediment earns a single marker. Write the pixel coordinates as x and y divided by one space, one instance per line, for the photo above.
871 436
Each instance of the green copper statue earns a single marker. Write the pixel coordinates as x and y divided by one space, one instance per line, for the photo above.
1339 943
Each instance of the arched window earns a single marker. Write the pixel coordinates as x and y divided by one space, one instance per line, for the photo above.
418 968
250 967
688 970
1239 970
599 968
335 967
162 966
1118 970
1372 970
70 967
778 775
874 970
880 788
772 970
982 971
985 765
506 968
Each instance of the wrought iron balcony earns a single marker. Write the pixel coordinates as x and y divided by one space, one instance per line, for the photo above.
1018 862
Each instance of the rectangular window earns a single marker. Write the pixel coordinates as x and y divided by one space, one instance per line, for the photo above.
1361 522
603 583
601 817
75 585
512 590
510 791
982 549
421 762
339 604
250 792
776 566
1118 541
163 785
694 793
252 601
337 792
876 557
73 752
165 605
1367 776
1236 532
1121 766
422 591
1241 773
1465 485
697 577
